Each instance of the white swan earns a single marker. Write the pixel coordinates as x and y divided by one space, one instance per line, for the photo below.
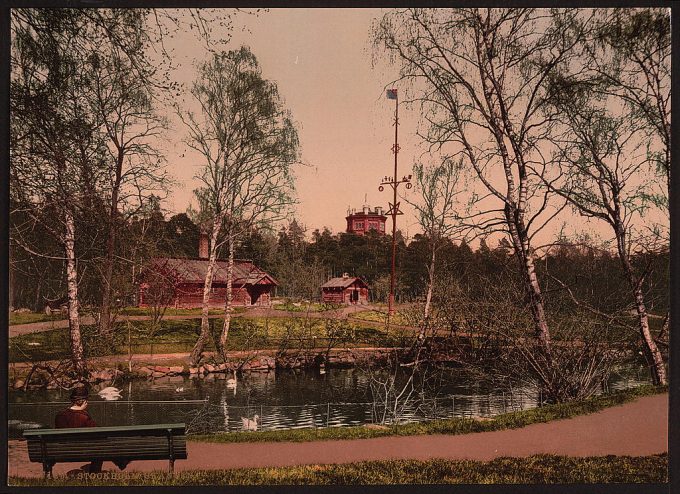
179 390
250 424
231 383
110 393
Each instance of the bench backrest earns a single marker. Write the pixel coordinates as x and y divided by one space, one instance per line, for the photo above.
137 442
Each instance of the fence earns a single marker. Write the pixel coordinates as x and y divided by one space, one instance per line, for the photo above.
216 415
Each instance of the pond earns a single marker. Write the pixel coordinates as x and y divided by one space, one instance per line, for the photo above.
289 400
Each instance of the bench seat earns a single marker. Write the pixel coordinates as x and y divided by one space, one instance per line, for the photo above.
118 444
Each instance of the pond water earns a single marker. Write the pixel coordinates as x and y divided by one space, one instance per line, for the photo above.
288 400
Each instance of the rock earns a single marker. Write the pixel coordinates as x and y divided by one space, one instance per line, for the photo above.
161 368
19 383
178 369
194 370
145 371
201 370
158 374
209 368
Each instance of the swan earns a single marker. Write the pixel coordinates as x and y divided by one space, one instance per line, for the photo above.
231 383
110 393
250 424
179 390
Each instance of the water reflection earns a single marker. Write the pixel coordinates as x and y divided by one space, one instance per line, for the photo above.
287 400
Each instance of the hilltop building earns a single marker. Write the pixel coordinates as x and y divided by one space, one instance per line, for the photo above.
365 220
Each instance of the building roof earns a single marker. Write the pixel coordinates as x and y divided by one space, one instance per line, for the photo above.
343 282
194 271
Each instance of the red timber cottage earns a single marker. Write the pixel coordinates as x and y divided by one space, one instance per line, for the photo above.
180 282
345 290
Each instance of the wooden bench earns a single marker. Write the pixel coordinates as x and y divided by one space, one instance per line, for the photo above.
118 444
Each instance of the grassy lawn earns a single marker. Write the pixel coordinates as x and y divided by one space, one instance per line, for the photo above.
381 316
176 336
171 311
30 317
538 469
305 306
511 420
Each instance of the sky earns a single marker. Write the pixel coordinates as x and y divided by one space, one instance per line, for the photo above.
321 60
333 81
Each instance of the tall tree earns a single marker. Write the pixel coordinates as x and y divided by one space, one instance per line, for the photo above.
438 187
600 170
249 143
479 75
55 146
124 87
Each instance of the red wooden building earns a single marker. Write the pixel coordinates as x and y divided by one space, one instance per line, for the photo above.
366 220
179 283
345 290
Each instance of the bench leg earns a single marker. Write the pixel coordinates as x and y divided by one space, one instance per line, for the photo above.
47 470
171 468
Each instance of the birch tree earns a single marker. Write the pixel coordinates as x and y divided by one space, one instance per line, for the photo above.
249 143
55 147
601 170
478 76
439 188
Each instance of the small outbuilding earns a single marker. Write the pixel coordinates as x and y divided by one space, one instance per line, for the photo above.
345 290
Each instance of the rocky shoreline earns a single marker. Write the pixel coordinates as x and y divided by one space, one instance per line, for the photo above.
40 377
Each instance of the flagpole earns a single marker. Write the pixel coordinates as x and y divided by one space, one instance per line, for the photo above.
394 206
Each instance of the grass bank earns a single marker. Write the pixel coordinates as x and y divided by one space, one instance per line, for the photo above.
539 469
511 420
32 317
179 336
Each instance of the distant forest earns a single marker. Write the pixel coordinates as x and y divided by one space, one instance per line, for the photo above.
301 262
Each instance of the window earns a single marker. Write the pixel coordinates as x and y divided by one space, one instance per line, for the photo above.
382 227
372 225
358 225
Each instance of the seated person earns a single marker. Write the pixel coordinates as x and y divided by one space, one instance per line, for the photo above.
77 416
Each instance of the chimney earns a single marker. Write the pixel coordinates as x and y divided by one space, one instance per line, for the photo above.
203 245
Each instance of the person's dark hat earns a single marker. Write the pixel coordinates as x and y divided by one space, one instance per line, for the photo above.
79 393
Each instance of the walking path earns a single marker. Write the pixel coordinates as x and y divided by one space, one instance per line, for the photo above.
638 428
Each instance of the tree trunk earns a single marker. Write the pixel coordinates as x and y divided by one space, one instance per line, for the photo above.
197 351
105 313
532 287
72 283
651 350
228 301
428 297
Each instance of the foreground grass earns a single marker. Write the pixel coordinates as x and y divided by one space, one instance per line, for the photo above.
511 420
538 469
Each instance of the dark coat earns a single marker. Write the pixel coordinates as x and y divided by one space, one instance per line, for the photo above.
73 418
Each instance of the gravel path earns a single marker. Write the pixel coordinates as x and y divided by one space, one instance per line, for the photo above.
638 428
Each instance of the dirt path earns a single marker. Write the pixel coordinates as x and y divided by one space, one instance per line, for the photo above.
638 428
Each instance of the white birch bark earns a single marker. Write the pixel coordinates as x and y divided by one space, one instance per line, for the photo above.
77 354
197 351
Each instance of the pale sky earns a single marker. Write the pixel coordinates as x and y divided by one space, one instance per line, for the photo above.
321 60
